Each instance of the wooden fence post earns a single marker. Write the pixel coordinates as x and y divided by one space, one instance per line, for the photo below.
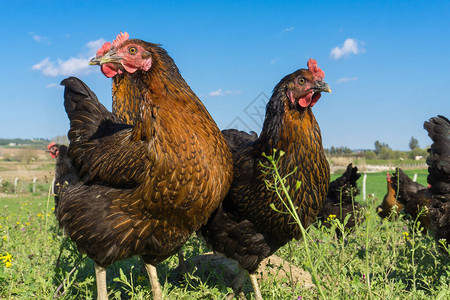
34 185
15 184
364 186
53 186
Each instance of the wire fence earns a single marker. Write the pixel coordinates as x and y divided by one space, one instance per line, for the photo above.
34 186
19 186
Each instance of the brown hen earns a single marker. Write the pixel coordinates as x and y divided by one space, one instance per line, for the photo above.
144 188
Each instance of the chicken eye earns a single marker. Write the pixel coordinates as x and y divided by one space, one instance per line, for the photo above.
301 80
132 50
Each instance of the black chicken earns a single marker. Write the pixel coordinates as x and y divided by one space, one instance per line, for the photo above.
429 205
412 197
341 201
439 177
65 174
245 227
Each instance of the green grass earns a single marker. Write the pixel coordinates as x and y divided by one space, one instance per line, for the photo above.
375 255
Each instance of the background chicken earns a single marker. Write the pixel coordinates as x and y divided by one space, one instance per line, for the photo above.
390 206
405 195
427 205
439 177
65 173
145 188
340 200
245 227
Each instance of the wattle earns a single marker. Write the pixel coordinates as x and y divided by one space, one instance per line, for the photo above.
305 101
108 71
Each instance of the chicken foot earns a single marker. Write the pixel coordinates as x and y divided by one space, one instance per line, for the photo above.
153 276
100 278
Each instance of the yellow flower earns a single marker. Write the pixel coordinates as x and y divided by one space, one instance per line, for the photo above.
18 223
8 264
39 214
53 209
405 235
331 218
6 257
1 226
5 238
27 223
140 278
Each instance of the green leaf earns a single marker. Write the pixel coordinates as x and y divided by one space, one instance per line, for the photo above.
298 184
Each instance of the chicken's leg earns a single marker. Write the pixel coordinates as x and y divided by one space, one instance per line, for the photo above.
153 276
182 267
100 277
238 285
255 285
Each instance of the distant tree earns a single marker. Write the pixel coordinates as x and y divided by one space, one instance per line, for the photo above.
418 152
339 150
370 154
332 150
386 153
347 150
413 143
379 146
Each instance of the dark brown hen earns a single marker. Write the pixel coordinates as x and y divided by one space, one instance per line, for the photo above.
144 188
245 227
340 201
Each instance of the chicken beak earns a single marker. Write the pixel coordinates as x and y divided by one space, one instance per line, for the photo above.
95 61
109 57
322 87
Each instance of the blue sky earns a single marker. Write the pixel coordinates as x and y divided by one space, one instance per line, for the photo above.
387 62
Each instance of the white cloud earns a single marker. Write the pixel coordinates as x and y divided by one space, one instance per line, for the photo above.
346 79
289 29
216 93
273 61
350 46
221 92
40 38
93 46
51 85
71 66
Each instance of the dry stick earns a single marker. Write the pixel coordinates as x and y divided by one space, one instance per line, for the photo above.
46 212
55 294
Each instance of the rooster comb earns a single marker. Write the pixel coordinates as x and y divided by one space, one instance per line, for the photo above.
105 48
313 68
121 37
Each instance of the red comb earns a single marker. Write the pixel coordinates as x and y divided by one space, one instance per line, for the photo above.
51 145
105 48
388 176
313 68
121 37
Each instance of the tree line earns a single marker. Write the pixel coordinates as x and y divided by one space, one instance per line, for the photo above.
382 151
